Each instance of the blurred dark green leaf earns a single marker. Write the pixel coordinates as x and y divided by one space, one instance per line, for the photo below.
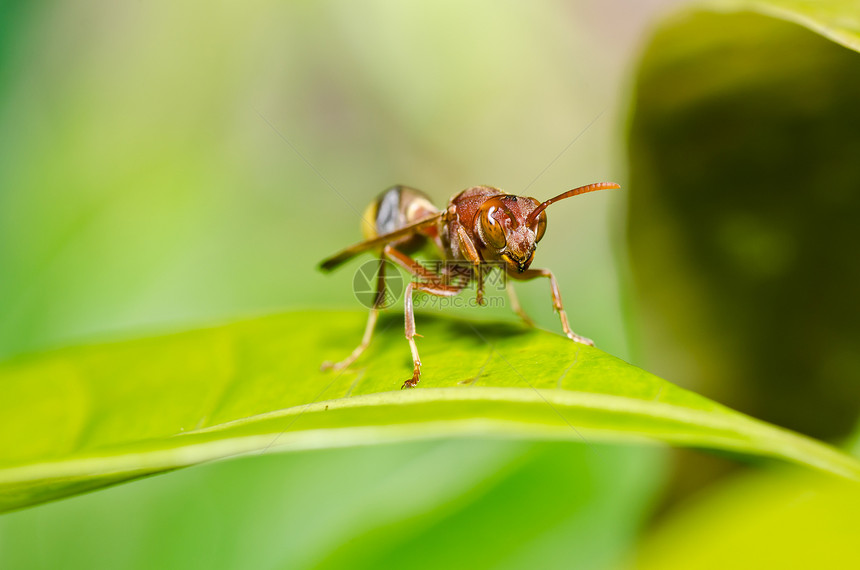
91 416
744 209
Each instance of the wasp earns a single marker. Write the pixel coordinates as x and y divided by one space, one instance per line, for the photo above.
482 225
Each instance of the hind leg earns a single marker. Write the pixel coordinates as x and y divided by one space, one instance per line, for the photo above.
368 329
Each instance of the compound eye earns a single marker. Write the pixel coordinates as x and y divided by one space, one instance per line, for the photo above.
492 231
541 227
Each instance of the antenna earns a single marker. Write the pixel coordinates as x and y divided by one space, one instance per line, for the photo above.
570 193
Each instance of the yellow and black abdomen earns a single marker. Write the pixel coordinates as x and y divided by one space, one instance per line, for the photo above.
398 207
406 212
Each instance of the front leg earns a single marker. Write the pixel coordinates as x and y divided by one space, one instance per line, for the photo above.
433 285
529 274
515 304
470 252
409 318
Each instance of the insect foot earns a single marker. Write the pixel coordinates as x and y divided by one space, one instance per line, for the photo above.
416 377
329 365
581 339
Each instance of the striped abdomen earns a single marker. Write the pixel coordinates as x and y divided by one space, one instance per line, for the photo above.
395 208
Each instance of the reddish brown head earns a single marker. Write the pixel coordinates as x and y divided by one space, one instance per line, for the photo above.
509 227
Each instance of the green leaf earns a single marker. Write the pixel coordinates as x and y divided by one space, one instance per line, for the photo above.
768 519
838 20
79 418
433 504
771 518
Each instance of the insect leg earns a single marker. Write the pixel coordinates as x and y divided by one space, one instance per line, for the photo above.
515 303
368 329
412 266
433 285
409 318
529 274
468 249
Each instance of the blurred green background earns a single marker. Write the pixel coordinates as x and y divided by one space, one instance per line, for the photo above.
143 186
169 165
146 185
